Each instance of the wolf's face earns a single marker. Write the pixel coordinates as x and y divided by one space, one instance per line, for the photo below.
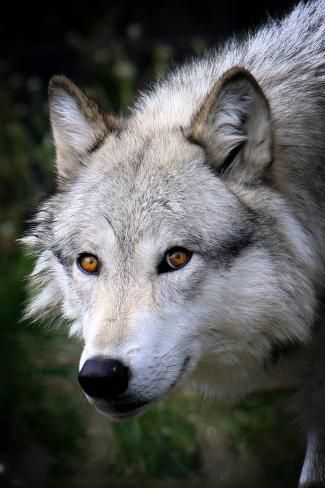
164 248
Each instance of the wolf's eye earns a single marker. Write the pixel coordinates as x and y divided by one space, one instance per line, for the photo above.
174 259
88 263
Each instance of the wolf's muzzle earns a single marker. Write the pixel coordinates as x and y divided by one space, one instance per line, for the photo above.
105 379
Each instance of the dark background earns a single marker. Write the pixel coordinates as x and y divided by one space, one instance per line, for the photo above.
38 40
49 435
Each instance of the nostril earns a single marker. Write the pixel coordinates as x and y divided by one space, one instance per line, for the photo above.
104 378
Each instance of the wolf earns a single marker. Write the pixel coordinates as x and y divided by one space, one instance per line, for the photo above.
185 241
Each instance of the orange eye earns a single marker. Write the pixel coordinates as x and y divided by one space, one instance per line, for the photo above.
88 263
177 258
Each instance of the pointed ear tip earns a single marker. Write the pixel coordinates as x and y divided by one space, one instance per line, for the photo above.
60 82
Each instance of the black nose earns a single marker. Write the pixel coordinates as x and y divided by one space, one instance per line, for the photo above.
104 378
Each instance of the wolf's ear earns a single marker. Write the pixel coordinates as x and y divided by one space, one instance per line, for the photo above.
234 127
78 125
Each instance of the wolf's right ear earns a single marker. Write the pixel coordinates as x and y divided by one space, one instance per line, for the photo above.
78 125
234 127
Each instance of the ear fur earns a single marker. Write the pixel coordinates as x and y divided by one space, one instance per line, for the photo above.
234 127
78 125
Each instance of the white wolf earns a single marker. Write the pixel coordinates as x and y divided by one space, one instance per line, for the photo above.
186 241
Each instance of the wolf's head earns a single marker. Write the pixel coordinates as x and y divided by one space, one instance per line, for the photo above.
165 245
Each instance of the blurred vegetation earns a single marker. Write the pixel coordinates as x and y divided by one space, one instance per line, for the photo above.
50 435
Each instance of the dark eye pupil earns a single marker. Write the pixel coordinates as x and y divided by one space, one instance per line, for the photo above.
176 258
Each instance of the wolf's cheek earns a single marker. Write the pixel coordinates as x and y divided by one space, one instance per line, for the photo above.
180 286
78 294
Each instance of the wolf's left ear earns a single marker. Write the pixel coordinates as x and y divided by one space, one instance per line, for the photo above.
78 125
234 127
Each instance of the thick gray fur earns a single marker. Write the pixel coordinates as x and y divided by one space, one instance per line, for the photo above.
225 157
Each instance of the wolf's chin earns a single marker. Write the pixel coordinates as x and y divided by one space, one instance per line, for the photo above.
115 414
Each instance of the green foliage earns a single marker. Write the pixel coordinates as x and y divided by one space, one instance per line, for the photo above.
260 437
36 406
25 149
161 444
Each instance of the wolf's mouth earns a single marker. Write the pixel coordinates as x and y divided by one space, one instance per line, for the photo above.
121 410
182 371
127 410
129 407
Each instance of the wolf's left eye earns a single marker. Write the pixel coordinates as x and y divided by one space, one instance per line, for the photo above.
88 263
174 259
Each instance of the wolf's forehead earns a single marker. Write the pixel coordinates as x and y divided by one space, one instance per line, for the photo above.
135 189
157 186
147 177
158 153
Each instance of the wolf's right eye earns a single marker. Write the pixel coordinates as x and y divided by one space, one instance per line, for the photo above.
88 263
